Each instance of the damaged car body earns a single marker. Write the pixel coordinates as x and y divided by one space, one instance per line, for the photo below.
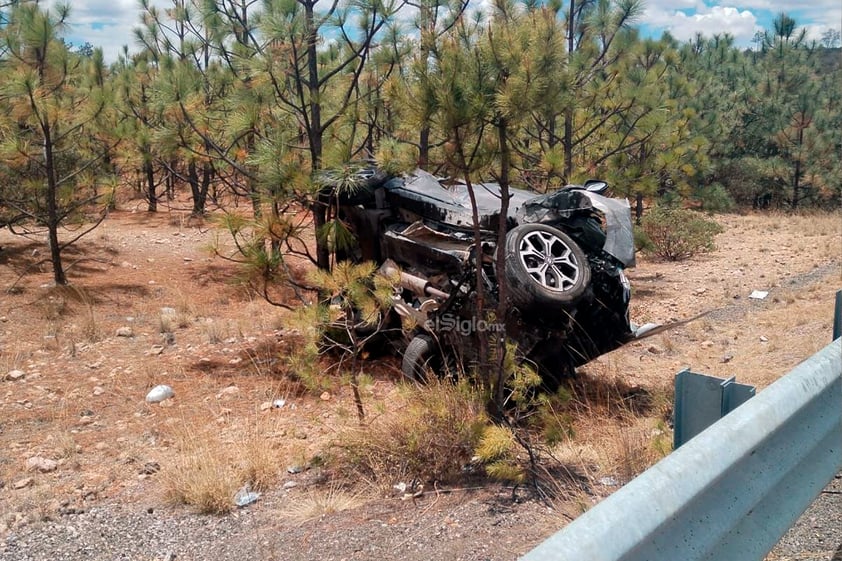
565 253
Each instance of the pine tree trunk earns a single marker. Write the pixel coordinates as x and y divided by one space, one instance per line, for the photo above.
52 208
151 195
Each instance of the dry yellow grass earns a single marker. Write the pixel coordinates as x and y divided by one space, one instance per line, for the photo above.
323 501
426 433
212 465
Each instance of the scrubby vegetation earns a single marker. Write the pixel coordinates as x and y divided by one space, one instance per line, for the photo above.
678 234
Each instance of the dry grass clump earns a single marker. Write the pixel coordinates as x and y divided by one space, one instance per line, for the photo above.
207 471
430 438
199 475
618 430
319 502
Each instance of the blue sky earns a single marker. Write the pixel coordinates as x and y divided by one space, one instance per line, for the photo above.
740 18
109 23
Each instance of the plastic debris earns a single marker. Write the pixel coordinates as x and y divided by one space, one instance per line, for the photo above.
245 496
758 294
159 393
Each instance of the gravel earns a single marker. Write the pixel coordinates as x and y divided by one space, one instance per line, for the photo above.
817 536
459 526
472 526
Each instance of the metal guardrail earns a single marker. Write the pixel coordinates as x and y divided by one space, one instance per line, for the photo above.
730 493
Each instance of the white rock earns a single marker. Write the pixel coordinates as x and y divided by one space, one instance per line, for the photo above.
125 332
44 465
15 375
159 394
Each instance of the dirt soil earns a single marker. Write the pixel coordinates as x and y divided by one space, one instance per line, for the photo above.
77 364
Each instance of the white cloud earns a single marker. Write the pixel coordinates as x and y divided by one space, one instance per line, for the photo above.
105 23
717 19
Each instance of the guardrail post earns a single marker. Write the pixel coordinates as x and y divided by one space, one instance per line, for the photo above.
837 317
702 400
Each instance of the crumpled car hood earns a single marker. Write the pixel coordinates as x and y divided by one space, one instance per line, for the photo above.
561 204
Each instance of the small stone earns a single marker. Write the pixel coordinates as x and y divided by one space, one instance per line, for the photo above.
325 396
227 392
15 375
726 358
700 290
655 350
98 390
707 344
290 484
156 350
22 483
764 339
295 469
125 332
44 465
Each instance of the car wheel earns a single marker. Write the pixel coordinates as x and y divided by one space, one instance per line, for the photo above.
421 357
544 266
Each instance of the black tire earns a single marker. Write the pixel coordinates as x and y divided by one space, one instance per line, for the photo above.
544 267
421 357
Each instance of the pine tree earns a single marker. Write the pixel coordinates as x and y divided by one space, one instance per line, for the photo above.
50 100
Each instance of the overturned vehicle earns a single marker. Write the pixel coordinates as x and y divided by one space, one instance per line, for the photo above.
565 252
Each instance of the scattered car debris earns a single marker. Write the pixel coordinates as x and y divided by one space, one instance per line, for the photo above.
245 496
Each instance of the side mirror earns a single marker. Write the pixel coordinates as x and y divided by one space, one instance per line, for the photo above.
596 186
